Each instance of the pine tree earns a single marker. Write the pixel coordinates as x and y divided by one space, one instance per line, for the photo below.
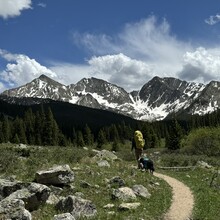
1 133
6 129
175 135
51 129
88 136
16 139
74 136
38 129
29 120
19 130
101 139
114 133
80 140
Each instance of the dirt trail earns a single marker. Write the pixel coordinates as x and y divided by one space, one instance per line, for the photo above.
182 201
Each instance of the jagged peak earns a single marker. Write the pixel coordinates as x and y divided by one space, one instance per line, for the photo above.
47 79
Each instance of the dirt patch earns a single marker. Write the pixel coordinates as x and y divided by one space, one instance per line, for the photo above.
182 201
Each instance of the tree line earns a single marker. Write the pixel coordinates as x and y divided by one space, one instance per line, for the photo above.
40 128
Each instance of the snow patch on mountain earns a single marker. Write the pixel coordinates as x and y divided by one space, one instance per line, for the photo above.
156 100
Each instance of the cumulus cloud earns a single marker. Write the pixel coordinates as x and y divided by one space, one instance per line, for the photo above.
148 40
121 70
68 73
21 69
202 65
12 8
213 19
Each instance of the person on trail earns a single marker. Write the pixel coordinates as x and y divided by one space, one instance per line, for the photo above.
146 163
138 143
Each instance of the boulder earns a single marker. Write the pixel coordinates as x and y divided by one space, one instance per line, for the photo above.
117 180
129 206
57 175
103 163
7 187
77 207
33 195
106 155
14 209
141 191
124 194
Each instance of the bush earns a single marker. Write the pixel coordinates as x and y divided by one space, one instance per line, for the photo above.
202 141
176 159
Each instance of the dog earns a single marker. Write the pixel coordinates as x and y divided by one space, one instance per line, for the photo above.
147 164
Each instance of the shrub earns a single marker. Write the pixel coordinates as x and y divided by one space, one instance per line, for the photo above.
202 141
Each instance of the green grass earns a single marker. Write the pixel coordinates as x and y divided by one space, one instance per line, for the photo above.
24 164
207 198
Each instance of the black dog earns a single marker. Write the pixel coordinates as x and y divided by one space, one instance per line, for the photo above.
147 164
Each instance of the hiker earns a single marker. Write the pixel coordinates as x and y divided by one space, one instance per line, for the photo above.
138 143
146 163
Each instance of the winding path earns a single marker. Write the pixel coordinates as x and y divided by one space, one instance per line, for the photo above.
182 201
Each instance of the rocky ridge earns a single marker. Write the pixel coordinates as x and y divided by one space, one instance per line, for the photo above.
156 100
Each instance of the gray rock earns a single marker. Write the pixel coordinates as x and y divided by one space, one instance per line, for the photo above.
77 207
124 194
7 187
33 195
103 163
13 209
84 184
117 180
106 155
203 164
141 191
129 206
64 216
57 175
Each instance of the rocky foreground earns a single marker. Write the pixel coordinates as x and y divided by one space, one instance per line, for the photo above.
19 199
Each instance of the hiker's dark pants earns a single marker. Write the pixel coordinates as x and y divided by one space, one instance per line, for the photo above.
138 153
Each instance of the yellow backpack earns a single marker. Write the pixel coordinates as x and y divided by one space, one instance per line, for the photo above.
139 140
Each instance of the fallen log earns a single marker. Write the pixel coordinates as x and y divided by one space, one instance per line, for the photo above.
177 168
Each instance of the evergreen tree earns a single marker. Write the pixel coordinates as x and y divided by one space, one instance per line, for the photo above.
175 135
114 133
88 136
101 139
1 133
74 136
38 128
80 140
6 129
16 139
29 120
51 129
19 130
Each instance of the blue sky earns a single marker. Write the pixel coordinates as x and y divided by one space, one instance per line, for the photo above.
124 42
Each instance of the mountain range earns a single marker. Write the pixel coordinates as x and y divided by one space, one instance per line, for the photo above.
158 98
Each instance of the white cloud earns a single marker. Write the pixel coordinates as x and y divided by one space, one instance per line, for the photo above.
129 59
68 73
202 65
12 8
21 69
213 19
41 4
148 40
121 70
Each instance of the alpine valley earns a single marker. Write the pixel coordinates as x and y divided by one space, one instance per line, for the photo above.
158 99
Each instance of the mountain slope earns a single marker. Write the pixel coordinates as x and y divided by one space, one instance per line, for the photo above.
157 99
